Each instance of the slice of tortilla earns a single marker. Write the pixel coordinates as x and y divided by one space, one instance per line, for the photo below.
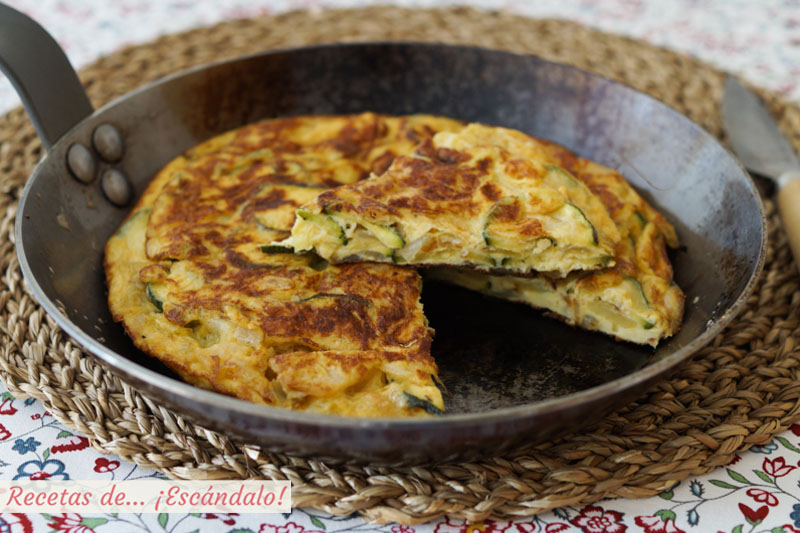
469 198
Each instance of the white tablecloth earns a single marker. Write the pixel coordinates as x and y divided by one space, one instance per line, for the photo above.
758 492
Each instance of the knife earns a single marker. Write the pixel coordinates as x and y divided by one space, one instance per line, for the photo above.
763 149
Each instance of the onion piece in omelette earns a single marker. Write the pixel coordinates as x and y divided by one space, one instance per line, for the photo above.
191 281
466 198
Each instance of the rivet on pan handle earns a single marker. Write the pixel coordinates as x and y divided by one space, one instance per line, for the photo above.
42 75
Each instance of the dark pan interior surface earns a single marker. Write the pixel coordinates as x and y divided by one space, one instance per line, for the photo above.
492 353
512 374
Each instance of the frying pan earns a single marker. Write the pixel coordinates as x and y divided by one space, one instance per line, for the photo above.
513 375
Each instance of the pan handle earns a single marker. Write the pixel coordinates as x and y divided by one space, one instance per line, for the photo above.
42 75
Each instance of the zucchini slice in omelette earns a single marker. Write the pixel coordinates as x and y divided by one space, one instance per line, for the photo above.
635 300
191 281
466 198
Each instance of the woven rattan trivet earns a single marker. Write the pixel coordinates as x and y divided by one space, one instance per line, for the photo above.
740 391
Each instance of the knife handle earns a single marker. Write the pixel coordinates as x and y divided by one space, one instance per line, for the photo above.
789 208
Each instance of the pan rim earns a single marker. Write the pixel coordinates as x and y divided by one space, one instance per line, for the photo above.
121 364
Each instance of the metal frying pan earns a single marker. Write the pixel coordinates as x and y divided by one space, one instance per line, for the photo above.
513 375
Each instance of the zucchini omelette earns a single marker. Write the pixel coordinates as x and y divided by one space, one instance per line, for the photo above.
196 277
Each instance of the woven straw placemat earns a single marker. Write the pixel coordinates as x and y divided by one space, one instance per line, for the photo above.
739 391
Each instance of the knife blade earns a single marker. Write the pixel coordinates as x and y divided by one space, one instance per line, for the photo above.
763 149
753 134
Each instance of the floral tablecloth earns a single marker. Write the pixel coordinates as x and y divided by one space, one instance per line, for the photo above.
758 492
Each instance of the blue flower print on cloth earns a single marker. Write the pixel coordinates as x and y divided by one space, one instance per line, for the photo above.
24 446
35 469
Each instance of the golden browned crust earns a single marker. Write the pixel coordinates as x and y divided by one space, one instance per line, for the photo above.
190 283
464 199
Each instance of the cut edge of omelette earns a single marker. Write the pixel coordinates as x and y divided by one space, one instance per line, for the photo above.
467 199
642 309
380 381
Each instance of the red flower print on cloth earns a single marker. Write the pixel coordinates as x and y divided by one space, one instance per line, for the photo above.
462 526
776 467
597 520
522 527
402 529
289 527
69 522
754 517
70 443
103 465
736 459
557 527
654 524
795 428
5 434
7 408
15 523
763 496
226 518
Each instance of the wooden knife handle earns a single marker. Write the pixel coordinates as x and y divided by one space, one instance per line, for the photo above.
789 208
